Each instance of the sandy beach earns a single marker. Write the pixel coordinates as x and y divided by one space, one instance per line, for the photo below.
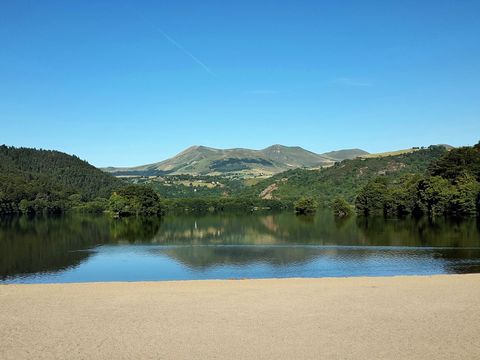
435 317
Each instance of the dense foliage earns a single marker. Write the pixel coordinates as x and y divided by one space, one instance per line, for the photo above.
451 187
223 204
458 162
34 181
305 206
341 208
135 200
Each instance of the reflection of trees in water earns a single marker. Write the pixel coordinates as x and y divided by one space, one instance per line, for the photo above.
252 229
419 232
50 244
53 244
134 229
46 244
459 240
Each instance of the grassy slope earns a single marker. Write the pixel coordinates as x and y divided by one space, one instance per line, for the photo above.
390 153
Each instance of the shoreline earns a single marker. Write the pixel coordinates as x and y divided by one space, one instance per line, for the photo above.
401 317
235 279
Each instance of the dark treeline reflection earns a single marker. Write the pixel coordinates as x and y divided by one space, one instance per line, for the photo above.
47 244
52 244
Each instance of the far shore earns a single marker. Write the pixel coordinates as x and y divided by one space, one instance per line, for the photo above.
405 317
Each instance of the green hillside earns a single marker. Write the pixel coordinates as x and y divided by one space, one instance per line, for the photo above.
344 178
48 180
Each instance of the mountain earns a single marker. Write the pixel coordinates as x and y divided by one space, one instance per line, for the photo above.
346 154
344 178
46 177
202 160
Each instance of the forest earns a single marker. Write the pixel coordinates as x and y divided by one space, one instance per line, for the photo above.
44 181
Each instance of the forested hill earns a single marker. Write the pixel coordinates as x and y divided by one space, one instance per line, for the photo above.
345 178
48 176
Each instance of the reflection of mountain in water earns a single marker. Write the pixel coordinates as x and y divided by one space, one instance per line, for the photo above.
207 256
38 245
204 257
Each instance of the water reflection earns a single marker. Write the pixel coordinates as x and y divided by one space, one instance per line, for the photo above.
83 248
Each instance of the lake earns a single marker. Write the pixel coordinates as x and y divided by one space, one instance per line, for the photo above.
78 248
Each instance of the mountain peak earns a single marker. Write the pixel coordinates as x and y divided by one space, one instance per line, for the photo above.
196 148
281 147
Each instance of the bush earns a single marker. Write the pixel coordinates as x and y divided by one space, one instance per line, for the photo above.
341 208
305 206
96 206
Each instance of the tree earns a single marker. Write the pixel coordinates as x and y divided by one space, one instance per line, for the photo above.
135 200
305 206
402 198
464 199
341 208
372 197
25 206
435 195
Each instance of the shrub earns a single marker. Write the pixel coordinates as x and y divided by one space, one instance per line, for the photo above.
341 208
305 206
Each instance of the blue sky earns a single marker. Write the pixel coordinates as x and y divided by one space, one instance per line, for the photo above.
134 82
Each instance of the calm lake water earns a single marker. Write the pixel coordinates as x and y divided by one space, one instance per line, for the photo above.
82 248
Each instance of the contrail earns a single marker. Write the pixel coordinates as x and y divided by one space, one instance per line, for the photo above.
178 45
188 53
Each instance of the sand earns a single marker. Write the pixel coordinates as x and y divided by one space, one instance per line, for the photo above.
414 317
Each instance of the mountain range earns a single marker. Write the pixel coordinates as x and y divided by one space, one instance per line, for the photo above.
202 160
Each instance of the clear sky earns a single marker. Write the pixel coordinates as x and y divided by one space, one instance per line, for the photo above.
134 82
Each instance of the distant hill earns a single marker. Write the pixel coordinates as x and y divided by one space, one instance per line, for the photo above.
202 160
402 151
48 176
346 154
344 178
390 153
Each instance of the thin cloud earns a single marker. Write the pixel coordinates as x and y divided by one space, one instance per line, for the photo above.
345 81
177 45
